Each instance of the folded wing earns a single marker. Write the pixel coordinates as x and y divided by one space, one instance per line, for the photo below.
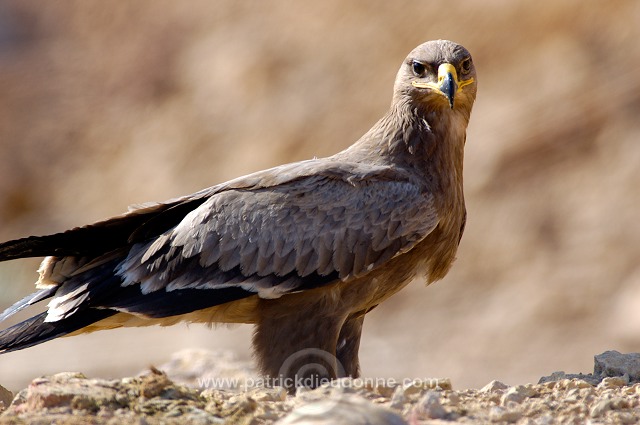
282 230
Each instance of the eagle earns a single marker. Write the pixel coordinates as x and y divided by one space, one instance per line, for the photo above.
302 251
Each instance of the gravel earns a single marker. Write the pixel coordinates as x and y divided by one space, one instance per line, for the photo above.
609 395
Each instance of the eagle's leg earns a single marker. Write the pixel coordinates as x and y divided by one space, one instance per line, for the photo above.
296 346
348 345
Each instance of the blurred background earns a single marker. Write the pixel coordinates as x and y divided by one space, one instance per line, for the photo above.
103 105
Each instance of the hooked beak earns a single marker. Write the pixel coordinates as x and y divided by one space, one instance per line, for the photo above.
448 84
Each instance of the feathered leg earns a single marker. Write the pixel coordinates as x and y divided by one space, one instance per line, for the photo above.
348 345
296 345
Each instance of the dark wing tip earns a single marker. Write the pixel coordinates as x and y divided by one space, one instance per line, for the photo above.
35 330
27 301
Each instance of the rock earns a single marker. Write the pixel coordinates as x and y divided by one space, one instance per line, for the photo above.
348 385
590 379
418 386
153 398
75 396
501 414
398 399
412 390
511 397
429 407
494 386
545 419
348 410
332 390
6 397
441 384
453 398
579 383
384 390
517 394
603 406
241 405
613 363
155 384
614 382
69 390
269 394
600 408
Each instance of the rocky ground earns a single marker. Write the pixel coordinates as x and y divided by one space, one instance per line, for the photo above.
106 104
177 393
189 95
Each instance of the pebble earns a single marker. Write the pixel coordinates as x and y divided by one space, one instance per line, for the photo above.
348 410
5 397
398 399
614 382
517 394
429 406
494 386
418 386
384 390
269 394
453 398
512 396
579 383
501 414
600 408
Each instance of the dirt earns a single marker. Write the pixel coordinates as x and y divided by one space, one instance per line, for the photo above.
103 105
609 395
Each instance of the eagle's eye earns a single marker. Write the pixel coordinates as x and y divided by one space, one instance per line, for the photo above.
417 68
465 66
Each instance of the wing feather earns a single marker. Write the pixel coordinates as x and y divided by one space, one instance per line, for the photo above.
316 225
282 230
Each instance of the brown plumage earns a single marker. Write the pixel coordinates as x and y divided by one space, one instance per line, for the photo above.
303 250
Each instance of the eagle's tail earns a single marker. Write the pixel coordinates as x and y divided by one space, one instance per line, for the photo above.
35 330
30 299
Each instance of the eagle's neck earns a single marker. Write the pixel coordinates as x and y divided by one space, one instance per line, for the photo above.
427 142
